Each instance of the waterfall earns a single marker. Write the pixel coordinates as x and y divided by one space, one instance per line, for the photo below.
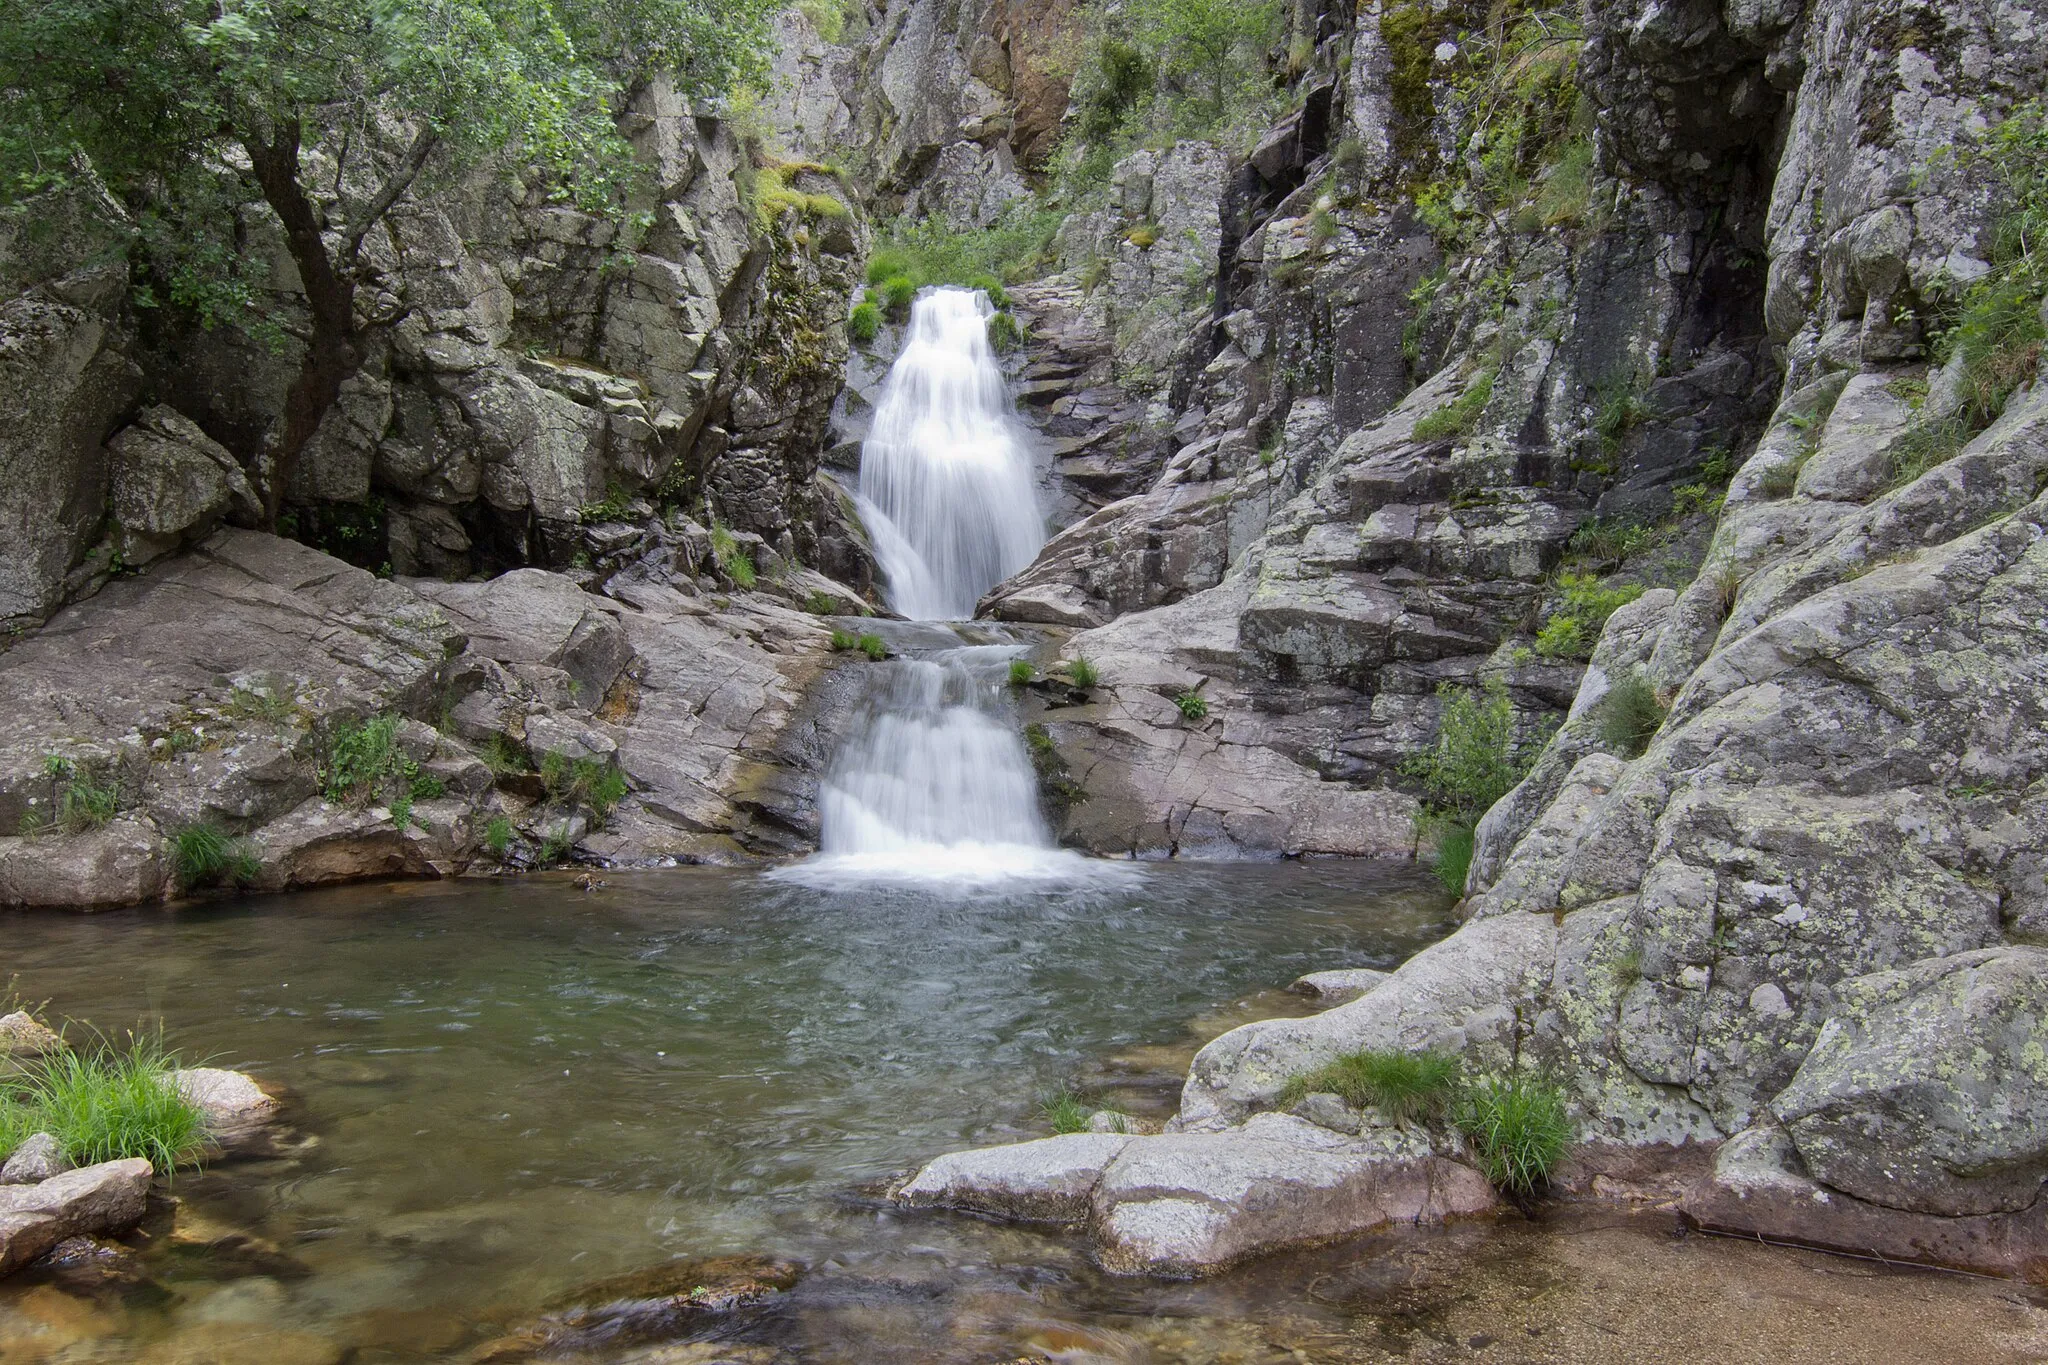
945 479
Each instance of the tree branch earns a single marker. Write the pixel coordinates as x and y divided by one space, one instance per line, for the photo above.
400 180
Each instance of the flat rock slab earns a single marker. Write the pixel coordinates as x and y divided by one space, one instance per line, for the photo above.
97 1201
1047 1181
1338 987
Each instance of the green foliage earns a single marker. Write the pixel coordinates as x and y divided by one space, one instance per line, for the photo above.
1607 544
820 603
828 17
205 855
874 647
1924 447
504 757
1518 1127
1457 418
1021 672
589 782
613 508
498 836
1996 327
1064 1112
843 640
866 322
107 1104
1452 860
364 762
1575 623
1630 714
1003 332
1473 763
1618 409
898 293
273 700
927 252
1144 236
86 804
1082 673
735 563
1191 706
1404 1086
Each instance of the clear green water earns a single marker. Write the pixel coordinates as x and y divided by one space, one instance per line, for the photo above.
517 1087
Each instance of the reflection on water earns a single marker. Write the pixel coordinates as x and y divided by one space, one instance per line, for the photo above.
517 1088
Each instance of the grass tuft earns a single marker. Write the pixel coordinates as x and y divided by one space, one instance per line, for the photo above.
107 1104
498 836
588 782
1082 674
1404 1086
866 322
874 647
843 640
205 855
1518 1127
1452 862
1065 1112
1630 714
1021 672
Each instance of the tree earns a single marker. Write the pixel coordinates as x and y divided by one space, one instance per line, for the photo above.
167 98
1214 41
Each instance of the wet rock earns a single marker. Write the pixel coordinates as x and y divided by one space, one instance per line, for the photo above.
1338 987
91 1266
1759 1188
95 1201
660 1302
21 1035
1046 1181
40 1157
1192 1204
229 1099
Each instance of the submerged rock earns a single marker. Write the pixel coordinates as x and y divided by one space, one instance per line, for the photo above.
1047 1181
649 1305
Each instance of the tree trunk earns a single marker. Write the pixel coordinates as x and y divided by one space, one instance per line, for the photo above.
334 350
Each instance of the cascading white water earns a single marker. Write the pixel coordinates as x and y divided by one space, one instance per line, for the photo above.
934 783
945 479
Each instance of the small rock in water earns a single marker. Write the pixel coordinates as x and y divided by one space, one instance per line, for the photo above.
22 1036
649 1305
1338 987
228 1098
37 1159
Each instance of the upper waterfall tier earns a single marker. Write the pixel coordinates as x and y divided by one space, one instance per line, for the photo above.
945 474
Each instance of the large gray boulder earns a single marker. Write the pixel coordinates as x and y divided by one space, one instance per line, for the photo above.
171 483
1927 1088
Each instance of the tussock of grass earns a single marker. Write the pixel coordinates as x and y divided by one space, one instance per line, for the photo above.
1021 672
1518 1128
590 782
865 323
1064 1112
206 855
1191 706
1458 417
1404 1086
106 1104
1452 862
874 646
1082 674
1630 714
498 836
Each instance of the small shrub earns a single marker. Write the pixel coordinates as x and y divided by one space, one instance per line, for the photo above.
1575 624
590 782
888 264
1925 447
898 293
735 563
1630 714
1608 543
504 757
843 640
1457 418
1780 479
1064 1112
1404 1086
498 836
205 855
275 701
1021 672
820 603
362 759
874 647
616 506
1518 1127
1192 707
828 17
1003 332
1698 499
998 297
866 322
103 1104
1082 674
1473 762
1618 410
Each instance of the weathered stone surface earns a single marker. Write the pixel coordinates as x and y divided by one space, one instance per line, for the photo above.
1339 986
121 863
172 482
229 1099
1927 1088
95 1201
1190 1204
21 1035
1047 1181
658 1304
40 1157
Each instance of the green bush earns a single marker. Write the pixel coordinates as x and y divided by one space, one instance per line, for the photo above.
590 782
204 855
1457 418
363 759
735 563
1021 672
843 640
1082 673
504 756
1404 1086
498 836
874 647
828 17
889 262
1996 326
1575 623
1192 706
1630 714
898 293
1518 1127
866 322
998 296
820 603
1473 763
104 1104
1003 332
